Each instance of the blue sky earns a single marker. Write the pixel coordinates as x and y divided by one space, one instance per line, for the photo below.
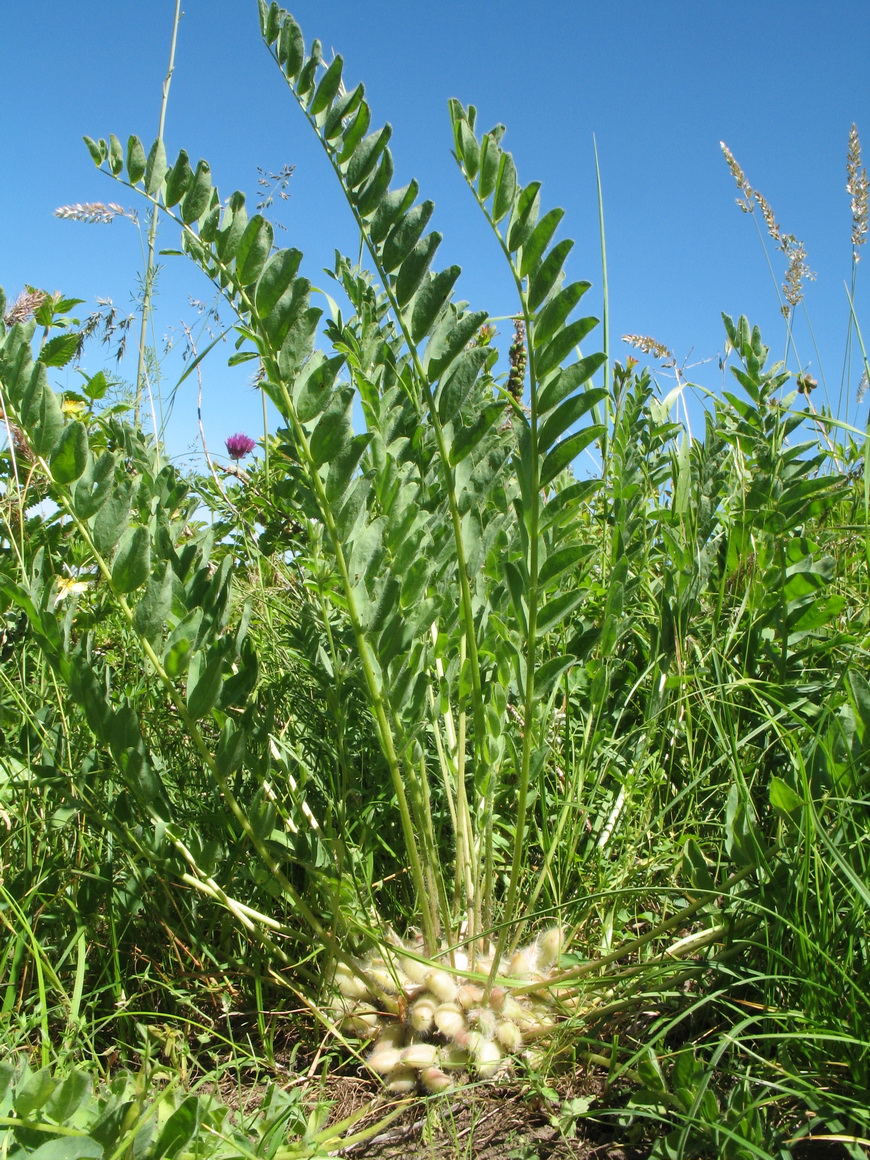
658 82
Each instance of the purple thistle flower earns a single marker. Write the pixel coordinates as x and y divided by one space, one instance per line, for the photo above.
238 446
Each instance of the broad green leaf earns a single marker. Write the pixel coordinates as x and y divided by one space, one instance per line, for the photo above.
135 160
253 250
111 519
405 235
60 350
334 428
366 156
465 439
96 150
329 85
366 547
96 386
783 798
450 337
45 422
548 274
230 753
556 311
505 187
413 269
566 452
155 168
312 388
559 347
179 179
70 457
517 587
430 301
470 150
196 201
525 216
34 1092
133 561
180 1129
67 1148
233 225
274 295
298 343
270 21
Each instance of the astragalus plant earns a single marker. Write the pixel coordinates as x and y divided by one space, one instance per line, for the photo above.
480 744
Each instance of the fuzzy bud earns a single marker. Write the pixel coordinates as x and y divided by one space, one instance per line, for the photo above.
449 1020
442 985
549 948
435 1080
422 1014
402 1080
385 1060
509 1035
348 983
420 1055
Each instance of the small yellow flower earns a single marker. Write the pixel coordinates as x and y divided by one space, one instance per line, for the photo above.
66 586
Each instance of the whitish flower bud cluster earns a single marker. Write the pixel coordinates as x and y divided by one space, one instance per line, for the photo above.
434 1019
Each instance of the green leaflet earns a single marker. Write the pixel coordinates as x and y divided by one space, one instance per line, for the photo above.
196 200
94 486
253 250
278 294
413 268
116 155
366 156
560 561
178 180
334 428
155 168
70 457
368 198
291 47
548 273
343 108
525 216
153 609
204 683
551 614
393 208
556 311
541 236
505 187
450 337
329 85
430 300
232 229
458 381
562 344
567 381
564 417
566 452
135 160
133 561
111 519
405 235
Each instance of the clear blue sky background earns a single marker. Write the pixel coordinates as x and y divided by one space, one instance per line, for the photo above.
659 83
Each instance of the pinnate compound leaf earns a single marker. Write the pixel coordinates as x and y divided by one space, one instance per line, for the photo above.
135 160
70 457
253 251
133 561
155 167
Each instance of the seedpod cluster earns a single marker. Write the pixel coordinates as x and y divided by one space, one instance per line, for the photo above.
433 1019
